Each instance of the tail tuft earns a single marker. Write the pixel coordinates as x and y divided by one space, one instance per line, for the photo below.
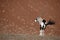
50 22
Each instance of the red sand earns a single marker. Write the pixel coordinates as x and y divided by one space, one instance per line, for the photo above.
17 16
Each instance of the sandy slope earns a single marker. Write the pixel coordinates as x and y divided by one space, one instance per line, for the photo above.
26 37
17 16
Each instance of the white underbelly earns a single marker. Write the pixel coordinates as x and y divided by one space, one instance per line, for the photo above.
42 24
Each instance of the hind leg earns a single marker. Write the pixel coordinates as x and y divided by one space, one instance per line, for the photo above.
41 33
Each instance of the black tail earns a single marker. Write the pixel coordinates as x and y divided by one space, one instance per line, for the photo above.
50 22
